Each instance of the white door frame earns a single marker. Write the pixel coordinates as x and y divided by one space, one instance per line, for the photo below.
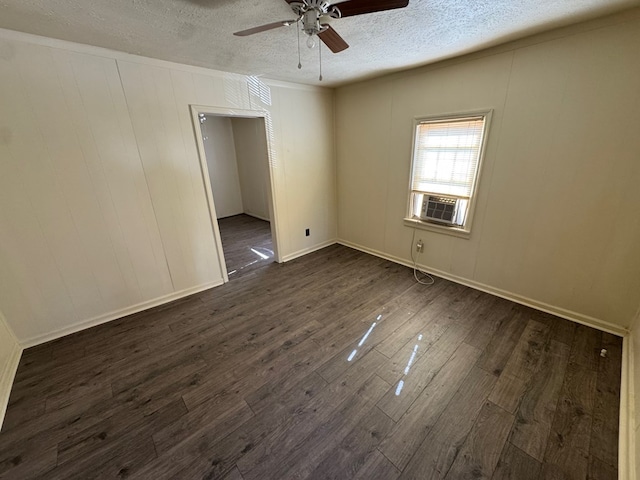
196 110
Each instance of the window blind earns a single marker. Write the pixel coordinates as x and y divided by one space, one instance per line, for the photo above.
446 156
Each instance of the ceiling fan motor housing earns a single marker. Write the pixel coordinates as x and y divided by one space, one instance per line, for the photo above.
311 11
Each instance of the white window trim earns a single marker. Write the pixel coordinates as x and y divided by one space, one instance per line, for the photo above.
463 232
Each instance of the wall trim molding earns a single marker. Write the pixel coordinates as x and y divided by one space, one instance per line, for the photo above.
627 430
514 297
7 378
305 251
114 315
8 373
196 110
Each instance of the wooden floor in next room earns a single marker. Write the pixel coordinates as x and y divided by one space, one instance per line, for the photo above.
246 242
336 365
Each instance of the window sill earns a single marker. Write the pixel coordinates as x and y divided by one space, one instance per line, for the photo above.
432 227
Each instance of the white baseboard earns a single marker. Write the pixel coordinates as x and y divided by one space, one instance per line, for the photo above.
259 217
305 251
514 297
254 215
6 380
627 434
107 317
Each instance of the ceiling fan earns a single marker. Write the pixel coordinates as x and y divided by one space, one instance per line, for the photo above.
312 14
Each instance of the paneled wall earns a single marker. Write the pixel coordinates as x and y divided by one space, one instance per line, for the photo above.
102 203
217 137
557 222
79 236
253 165
158 99
299 143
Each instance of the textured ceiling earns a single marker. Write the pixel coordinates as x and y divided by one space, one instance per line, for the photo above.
199 32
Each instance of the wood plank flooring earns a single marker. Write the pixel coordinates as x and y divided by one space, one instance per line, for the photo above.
246 242
337 365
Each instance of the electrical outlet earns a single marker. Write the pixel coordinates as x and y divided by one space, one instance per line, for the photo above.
307 233
419 246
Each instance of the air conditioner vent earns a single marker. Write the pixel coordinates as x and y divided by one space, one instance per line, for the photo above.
439 209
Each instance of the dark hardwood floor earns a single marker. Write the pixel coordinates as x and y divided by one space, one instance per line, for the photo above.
337 365
246 242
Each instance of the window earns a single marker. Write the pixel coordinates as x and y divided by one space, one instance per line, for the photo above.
446 160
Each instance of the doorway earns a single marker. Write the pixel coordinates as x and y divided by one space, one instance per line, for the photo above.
234 155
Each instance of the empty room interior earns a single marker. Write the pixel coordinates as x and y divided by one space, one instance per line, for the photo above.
370 240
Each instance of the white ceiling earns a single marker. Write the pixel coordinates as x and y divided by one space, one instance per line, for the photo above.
200 32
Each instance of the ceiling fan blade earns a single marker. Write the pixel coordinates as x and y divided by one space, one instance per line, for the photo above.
264 28
359 7
333 40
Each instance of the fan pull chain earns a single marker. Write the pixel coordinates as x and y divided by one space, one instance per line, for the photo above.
320 53
298 29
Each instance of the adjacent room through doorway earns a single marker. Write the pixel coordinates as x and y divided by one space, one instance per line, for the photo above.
237 160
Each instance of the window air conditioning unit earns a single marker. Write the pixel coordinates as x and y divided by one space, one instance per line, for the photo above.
439 209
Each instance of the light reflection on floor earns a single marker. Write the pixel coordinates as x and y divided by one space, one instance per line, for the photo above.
363 339
261 252
407 368
412 357
263 256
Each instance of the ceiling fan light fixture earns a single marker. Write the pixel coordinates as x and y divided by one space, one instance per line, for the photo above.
311 41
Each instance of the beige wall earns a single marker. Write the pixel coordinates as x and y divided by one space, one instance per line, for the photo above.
557 221
102 203
10 352
250 141
302 145
217 137
634 397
